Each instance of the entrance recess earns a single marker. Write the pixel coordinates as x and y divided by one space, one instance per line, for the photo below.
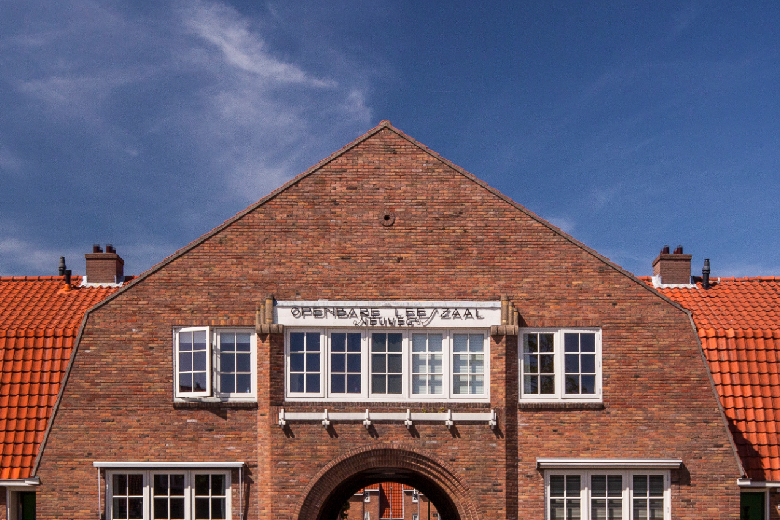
342 477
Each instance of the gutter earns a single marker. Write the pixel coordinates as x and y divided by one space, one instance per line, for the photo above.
20 482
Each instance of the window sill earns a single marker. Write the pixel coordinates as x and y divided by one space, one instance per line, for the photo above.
212 403
561 405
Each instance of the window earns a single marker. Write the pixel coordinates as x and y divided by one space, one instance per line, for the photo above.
168 495
608 495
339 364
219 364
560 364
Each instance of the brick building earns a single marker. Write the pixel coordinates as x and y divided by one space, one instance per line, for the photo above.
387 317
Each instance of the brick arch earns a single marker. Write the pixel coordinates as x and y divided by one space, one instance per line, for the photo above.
343 476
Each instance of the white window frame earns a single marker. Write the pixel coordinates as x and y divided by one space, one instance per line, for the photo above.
148 483
627 496
559 367
366 394
213 346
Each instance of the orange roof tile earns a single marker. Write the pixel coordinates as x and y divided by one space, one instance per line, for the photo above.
39 321
738 321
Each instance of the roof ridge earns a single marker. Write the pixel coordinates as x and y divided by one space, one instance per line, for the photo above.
56 278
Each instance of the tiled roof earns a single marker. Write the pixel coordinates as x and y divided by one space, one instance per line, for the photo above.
738 321
39 321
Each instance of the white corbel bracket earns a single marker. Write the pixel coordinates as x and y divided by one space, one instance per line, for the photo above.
367 420
408 421
325 419
448 422
282 421
493 421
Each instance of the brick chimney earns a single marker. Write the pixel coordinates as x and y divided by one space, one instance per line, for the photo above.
674 268
105 267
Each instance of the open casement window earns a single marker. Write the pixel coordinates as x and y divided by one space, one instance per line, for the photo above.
387 365
560 364
215 363
606 494
168 495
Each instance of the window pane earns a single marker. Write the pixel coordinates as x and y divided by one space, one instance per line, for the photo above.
378 342
460 363
243 363
557 485
177 509
185 361
531 343
202 485
573 510
531 364
419 342
460 385
598 509
587 342
243 342
353 383
419 384
199 340
135 485
296 341
476 342
572 363
394 342
547 385
656 485
557 508
572 384
296 383
436 385
614 509
338 383
615 485
640 510
531 385
435 364
199 361
598 486
477 385
588 363
227 341
185 341
312 342
296 362
312 362
378 364
227 362
160 485
119 508
546 342
338 342
312 382
573 486
201 508
640 485
353 363
419 364
378 384
243 384
394 384
338 363
655 509
477 364
185 382
120 484
353 342
460 343
434 342
588 384
161 508
571 342
547 363
218 508
217 485
199 381
394 363
135 508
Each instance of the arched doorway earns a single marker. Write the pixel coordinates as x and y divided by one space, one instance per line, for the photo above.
342 477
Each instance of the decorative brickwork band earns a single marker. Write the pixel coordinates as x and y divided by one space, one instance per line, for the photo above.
264 318
509 319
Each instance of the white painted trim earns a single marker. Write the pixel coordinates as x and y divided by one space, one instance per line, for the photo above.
658 285
389 303
21 482
747 483
166 465
399 416
562 463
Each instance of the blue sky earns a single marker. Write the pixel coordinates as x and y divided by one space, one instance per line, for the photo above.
630 125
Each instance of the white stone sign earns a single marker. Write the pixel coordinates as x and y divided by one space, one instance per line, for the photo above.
388 314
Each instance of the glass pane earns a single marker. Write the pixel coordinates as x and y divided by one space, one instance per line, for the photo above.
198 381
476 342
419 342
378 342
227 341
312 382
588 384
531 364
557 509
227 362
394 384
477 385
640 509
199 361
530 343
394 363
394 342
378 363
571 342
598 509
419 384
217 485
573 486
460 385
614 509
656 485
185 382
202 485
615 485
640 485
243 363
312 342
199 340
177 508
378 384
119 508
312 362
460 343
547 384
135 485
419 364
120 484
572 385
296 362
573 510
243 384
434 342
572 363
338 363
531 385
588 363
243 342
176 485
296 383
161 508
353 342
546 342
185 361
435 364
296 341
353 363
557 486
353 384
435 385
160 485
338 342
598 486
460 363
338 383
588 342
135 508
546 363
477 364
217 508
655 509
201 508
185 341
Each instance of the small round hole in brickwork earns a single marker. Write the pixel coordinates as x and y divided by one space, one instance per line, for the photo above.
388 219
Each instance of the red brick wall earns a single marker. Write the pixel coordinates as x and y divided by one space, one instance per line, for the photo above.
452 240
